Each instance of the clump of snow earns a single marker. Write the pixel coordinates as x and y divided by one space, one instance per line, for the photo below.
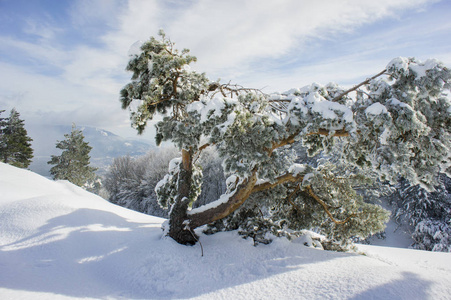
384 136
230 120
162 182
310 239
396 102
293 91
58 241
213 107
297 169
222 199
174 165
400 64
376 109
231 180
321 106
307 102
307 178
421 68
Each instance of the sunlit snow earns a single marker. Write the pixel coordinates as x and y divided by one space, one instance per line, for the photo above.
58 241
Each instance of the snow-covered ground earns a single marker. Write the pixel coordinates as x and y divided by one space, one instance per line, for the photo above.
59 242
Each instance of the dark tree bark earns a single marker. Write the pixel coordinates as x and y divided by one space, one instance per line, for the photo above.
179 229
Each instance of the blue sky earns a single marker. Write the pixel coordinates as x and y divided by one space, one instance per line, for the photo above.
64 61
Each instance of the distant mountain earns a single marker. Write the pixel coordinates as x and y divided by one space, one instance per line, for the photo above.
105 146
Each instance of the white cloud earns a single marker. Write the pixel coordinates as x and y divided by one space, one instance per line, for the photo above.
41 52
234 33
45 99
43 30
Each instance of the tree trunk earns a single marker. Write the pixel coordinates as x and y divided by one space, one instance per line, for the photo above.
179 229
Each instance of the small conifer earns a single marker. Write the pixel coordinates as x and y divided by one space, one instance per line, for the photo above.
15 144
73 163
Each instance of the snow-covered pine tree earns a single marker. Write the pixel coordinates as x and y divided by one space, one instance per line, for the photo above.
397 124
73 162
15 144
428 214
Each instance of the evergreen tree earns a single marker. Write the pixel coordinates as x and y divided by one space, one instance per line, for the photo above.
427 214
73 163
397 124
15 144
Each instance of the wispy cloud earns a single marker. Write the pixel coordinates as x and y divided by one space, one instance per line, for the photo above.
237 33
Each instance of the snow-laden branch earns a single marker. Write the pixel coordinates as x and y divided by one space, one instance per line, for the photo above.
358 85
228 203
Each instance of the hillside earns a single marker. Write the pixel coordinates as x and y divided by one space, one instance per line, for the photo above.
58 241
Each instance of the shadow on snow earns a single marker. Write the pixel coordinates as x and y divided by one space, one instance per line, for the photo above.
98 254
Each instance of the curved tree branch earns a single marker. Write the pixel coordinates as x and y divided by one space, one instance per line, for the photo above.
324 205
358 85
222 210
241 194
288 177
292 138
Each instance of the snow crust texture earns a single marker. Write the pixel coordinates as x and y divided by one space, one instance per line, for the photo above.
58 241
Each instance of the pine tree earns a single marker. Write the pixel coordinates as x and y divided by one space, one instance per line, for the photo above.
427 214
397 124
15 144
73 163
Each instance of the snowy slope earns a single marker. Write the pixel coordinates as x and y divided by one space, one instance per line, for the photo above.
59 242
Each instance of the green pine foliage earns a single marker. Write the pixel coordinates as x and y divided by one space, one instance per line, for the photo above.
73 163
15 144
161 80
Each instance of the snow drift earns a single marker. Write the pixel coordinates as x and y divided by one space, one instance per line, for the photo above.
58 241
